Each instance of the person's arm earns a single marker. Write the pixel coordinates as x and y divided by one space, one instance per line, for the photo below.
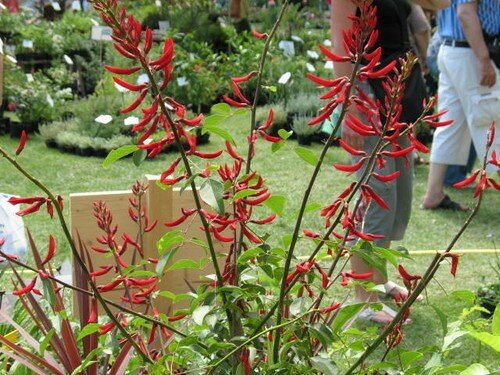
469 20
340 11
432 4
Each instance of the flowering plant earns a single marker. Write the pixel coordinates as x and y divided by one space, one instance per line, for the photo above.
264 310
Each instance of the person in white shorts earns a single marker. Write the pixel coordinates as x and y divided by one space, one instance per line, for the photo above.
469 88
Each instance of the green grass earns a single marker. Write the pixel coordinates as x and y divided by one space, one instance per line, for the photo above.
287 175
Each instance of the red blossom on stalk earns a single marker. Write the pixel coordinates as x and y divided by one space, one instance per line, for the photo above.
22 142
454 262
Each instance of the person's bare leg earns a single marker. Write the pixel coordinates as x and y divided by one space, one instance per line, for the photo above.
435 185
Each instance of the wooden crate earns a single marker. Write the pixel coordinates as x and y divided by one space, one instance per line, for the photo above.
163 205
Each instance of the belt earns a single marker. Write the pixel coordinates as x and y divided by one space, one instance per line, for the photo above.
456 43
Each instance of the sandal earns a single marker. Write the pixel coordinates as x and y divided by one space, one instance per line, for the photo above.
446 204
384 316
393 290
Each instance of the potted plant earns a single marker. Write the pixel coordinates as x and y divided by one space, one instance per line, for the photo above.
488 297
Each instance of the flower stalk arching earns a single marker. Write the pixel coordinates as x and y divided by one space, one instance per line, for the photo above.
75 252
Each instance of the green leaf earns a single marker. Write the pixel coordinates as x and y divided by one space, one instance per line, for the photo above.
211 193
300 305
118 154
183 264
442 318
307 155
139 156
46 341
452 336
475 369
200 313
346 313
284 134
224 134
276 146
212 121
366 252
223 109
323 333
276 203
240 111
407 358
169 240
249 254
488 339
244 193
88 330
495 323
324 365
465 295
449 369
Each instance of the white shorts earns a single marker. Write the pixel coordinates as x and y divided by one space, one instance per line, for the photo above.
470 105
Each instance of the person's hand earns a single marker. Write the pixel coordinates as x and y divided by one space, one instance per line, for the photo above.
487 73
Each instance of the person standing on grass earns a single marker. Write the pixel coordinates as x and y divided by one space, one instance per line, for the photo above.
391 19
469 88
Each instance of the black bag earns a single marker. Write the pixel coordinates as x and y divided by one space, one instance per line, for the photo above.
415 89
493 45
414 94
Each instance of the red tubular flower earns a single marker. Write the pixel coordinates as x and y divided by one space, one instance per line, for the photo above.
331 56
493 159
233 102
28 200
380 73
30 209
22 142
244 78
109 286
482 185
386 178
136 102
370 193
207 155
105 328
351 150
469 180
93 311
259 35
130 86
263 196
322 117
192 122
52 250
238 93
104 270
310 234
350 168
176 317
50 208
359 276
491 135
269 120
406 276
437 124
251 237
399 153
291 276
454 262
330 308
417 144
268 137
28 288
148 40
123 71
266 220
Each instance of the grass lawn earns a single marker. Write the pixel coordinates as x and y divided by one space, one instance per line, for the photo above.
287 175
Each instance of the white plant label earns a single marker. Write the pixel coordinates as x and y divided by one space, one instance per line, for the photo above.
313 54
131 120
287 47
103 119
329 65
147 141
143 78
101 33
50 100
120 88
29 77
94 22
327 42
158 3
56 6
75 5
12 59
68 60
310 67
296 38
164 25
28 44
182 81
284 78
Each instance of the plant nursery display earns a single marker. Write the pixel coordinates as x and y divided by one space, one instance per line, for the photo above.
186 272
